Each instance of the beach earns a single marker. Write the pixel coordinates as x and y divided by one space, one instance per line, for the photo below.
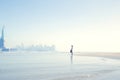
114 55
59 66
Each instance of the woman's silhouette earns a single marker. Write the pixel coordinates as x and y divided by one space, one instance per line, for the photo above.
71 57
71 50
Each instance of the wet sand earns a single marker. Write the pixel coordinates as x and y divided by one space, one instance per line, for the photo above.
100 54
59 66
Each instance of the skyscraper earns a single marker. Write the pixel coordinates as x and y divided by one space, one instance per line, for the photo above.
2 39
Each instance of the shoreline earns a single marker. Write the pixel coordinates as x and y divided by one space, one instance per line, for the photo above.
100 54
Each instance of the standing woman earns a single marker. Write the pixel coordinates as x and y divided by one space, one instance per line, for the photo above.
71 50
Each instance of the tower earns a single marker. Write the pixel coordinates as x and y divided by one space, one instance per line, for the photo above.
2 39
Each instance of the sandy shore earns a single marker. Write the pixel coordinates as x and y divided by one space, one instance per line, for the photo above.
100 54
59 66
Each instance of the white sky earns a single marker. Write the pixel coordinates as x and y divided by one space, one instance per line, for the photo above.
90 25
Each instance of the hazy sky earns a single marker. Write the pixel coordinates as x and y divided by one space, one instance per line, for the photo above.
90 25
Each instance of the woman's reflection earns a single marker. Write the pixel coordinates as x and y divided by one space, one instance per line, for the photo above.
71 59
71 56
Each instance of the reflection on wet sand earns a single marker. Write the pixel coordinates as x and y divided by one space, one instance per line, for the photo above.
71 59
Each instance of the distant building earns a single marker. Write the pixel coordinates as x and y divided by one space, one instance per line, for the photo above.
2 45
36 48
2 39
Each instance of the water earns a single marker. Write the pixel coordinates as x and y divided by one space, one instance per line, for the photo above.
53 66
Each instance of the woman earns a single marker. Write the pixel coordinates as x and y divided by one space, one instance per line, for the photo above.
71 50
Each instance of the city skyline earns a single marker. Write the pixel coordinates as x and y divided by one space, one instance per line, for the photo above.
89 25
21 47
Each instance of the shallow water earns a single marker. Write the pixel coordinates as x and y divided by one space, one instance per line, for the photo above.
54 66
